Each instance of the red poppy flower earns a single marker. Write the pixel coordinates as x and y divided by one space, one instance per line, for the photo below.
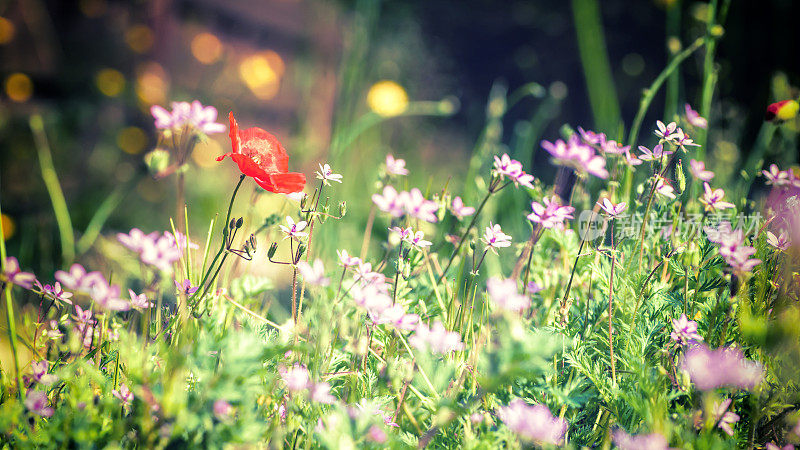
259 155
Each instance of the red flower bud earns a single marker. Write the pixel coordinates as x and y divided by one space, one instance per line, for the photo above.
782 111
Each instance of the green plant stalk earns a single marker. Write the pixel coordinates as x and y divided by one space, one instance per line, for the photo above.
464 235
596 67
12 327
647 99
50 177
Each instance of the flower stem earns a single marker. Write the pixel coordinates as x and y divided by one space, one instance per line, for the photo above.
50 177
12 327
464 235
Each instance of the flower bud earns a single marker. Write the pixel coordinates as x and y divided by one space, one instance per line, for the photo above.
232 224
157 160
252 242
239 222
342 209
782 111
272 249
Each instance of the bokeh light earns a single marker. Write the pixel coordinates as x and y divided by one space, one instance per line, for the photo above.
262 73
110 82
7 31
206 152
19 87
206 48
139 38
93 8
9 227
132 140
387 98
152 83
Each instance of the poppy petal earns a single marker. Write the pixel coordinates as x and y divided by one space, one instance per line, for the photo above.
234 134
265 149
287 183
247 166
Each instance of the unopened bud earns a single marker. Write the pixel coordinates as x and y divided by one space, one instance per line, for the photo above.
239 222
157 160
342 208
232 224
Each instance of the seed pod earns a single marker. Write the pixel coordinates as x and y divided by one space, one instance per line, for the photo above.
300 251
272 249
239 222
303 201
342 208
232 225
253 242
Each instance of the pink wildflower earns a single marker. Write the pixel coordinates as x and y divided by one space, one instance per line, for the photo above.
436 338
699 172
710 369
395 166
494 238
313 274
533 423
504 294
612 209
460 210
551 214
694 118
712 198
14 275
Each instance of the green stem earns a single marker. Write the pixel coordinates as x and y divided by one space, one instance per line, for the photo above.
54 189
12 327
102 214
464 235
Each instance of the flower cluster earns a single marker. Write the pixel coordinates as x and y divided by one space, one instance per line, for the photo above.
576 154
412 203
416 239
504 294
533 423
95 285
374 298
732 248
160 250
436 338
202 118
551 214
512 169
710 369
780 178
673 134
684 331
297 379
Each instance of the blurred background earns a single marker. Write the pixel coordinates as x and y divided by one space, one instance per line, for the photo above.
347 82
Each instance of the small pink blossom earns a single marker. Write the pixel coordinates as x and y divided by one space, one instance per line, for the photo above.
725 418
504 294
777 177
494 238
711 369
123 394
656 154
612 209
54 292
694 118
40 373
460 210
512 169
551 214
36 402
15 275
346 260
436 338
313 274
664 188
418 207
222 409
203 118
779 242
377 435
712 198
665 132
294 230
684 331
577 155
395 166
321 393
533 423
185 287
625 441
296 378
699 172
326 174
389 202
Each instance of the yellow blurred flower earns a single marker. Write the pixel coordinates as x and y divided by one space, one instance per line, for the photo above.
387 98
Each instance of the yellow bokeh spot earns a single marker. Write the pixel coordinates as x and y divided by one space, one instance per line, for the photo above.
9 227
262 73
387 98
6 30
93 8
152 84
206 152
206 48
19 87
110 82
139 38
132 140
